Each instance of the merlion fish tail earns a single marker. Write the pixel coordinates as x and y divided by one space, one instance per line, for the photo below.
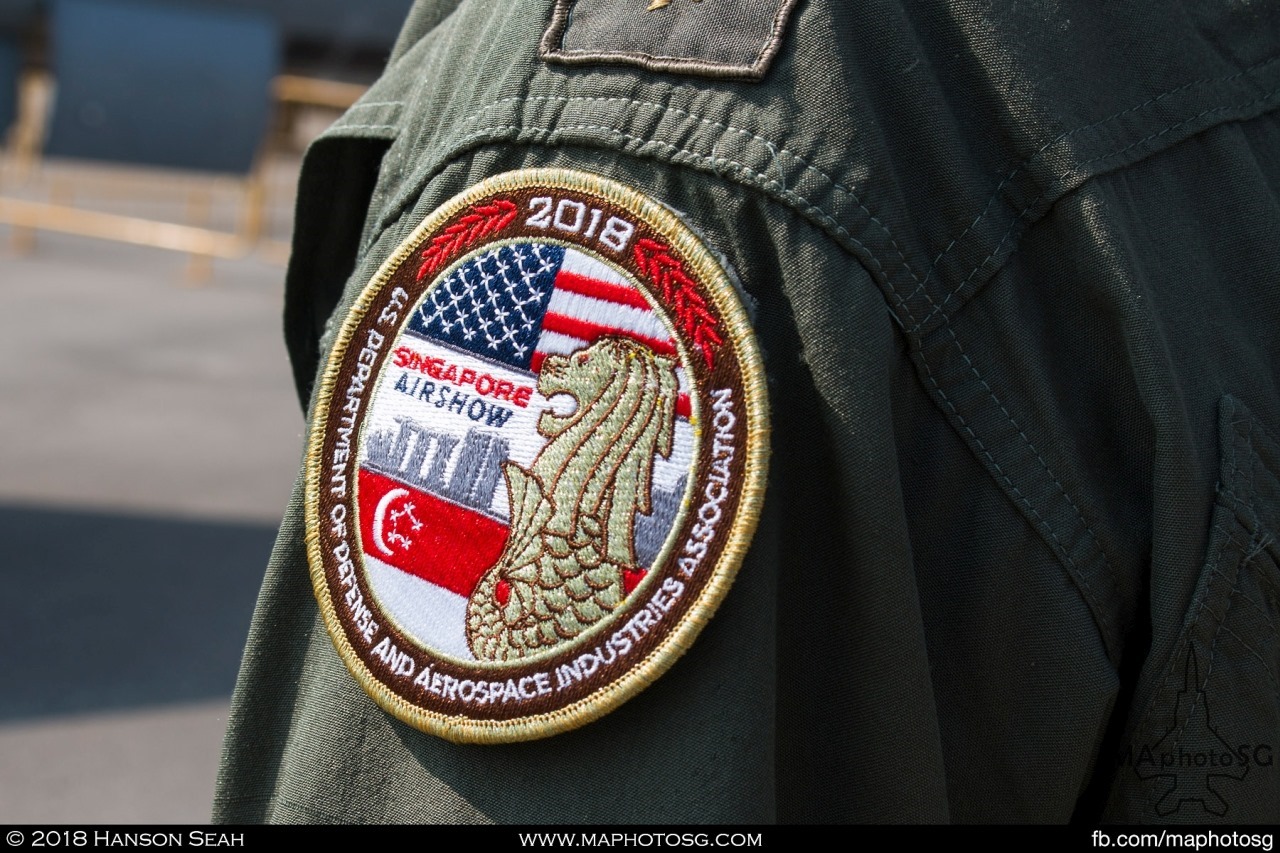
497 602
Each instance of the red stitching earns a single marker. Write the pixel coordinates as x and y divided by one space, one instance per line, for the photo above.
482 221
681 294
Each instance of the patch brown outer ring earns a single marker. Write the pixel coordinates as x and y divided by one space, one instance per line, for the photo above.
717 570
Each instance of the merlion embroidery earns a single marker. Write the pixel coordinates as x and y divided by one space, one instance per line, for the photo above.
537 458
573 512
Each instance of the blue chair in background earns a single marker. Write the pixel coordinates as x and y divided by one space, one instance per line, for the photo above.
154 84
192 85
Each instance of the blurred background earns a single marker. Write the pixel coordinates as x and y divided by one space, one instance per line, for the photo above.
149 432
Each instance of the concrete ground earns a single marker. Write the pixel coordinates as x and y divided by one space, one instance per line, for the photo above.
149 439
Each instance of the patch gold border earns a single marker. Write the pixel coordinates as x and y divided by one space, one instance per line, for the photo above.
716 282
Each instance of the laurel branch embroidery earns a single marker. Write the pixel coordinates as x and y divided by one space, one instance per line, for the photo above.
681 294
483 220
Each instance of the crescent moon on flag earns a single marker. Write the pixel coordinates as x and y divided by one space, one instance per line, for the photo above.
380 513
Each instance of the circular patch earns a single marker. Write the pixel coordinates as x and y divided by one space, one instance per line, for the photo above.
537 458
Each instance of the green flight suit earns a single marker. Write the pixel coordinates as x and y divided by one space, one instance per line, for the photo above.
1017 273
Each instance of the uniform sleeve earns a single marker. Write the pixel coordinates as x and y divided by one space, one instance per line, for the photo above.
1001 441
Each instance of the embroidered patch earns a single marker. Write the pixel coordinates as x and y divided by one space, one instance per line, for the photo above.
735 39
537 458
